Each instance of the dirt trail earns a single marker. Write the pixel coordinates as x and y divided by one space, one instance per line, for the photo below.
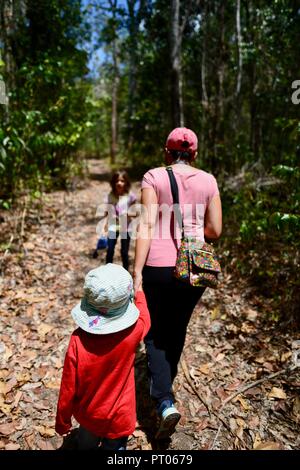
228 345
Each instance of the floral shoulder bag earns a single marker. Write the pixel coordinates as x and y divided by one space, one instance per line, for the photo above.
197 263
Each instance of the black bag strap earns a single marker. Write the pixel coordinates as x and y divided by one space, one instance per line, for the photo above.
175 196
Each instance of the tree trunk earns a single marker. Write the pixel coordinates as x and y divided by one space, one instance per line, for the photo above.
239 47
176 73
135 17
7 20
115 85
254 123
114 107
219 104
205 101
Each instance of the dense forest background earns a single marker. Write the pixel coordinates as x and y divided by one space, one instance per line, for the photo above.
227 69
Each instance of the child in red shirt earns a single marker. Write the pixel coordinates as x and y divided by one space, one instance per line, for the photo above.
97 386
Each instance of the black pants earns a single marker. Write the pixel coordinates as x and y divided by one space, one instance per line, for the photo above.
111 244
170 304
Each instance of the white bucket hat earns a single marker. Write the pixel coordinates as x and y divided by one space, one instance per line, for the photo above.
107 305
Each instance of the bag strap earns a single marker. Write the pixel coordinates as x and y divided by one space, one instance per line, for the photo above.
175 196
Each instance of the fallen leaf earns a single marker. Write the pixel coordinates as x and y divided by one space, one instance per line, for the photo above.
53 384
6 355
28 246
277 393
30 441
253 391
205 369
232 424
43 329
233 386
42 406
296 409
215 313
202 425
251 314
285 356
6 429
260 359
44 445
17 399
30 386
58 363
268 445
253 422
269 366
22 424
240 432
246 328
5 408
2 387
257 441
12 446
45 431
10 384
243 402
220 357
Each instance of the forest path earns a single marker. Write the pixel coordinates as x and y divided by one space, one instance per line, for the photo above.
228 345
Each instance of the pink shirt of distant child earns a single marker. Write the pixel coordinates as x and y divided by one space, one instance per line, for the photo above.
196 190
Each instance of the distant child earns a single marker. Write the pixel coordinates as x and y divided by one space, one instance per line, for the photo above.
118 203
97 386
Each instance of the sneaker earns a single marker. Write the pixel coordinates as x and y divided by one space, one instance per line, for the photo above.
168 421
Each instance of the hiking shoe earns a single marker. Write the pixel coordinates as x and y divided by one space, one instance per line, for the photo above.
168 420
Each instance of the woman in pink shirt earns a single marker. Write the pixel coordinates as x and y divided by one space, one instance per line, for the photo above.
170 301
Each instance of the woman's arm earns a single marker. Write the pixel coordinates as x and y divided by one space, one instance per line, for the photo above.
213 219
144 233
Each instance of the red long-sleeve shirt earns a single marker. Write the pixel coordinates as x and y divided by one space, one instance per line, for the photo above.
97 386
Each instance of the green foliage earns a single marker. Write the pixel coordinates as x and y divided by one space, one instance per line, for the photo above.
47 115
262 227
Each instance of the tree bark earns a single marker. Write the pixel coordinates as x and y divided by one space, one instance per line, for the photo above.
115 87
135 18
114 108
239 47
254 122
176 72
7 20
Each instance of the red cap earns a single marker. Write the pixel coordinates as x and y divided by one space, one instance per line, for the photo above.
182 139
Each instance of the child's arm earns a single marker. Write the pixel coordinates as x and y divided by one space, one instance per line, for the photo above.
64 412
141 303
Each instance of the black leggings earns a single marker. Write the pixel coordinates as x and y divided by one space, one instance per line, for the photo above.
111 244
170 303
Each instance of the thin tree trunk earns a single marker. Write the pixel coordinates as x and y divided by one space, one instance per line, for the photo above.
114 108
7 10
205 101
254 123
218 113
135 18
239 47
203 57
115 87
176 72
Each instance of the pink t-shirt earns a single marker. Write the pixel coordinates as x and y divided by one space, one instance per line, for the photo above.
196 189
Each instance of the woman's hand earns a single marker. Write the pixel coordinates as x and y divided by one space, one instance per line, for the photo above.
137 281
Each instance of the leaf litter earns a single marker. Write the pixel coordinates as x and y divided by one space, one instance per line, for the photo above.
236 386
